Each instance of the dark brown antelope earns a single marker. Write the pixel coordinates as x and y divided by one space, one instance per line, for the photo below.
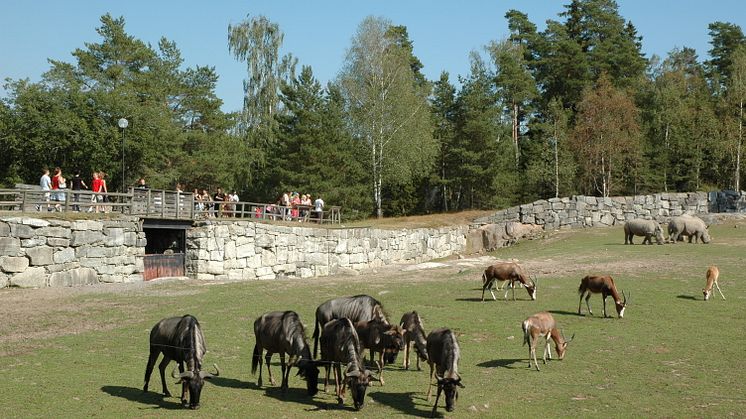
415 335
507 271
443 354
712 279
604 285
543 325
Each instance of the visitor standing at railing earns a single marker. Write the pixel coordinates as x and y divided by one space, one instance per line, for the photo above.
295 201
77 185
219 198
58 182
46 185
318 209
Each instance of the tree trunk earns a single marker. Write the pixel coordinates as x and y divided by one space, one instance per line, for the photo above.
443 180
665 166
738 147
515 132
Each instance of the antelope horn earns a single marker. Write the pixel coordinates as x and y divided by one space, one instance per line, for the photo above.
535 281
625 297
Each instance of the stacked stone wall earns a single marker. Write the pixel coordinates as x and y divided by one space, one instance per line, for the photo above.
49 252
590 211
246 250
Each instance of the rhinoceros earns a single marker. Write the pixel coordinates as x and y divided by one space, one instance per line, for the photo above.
641 227
688 225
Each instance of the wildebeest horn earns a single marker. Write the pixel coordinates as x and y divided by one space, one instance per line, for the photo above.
205 374
185 374
355 373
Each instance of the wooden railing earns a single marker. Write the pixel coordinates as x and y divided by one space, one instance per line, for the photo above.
156 203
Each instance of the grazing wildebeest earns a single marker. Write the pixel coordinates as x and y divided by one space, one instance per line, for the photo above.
415 334
642 227
341 345
282 332
180 339
507 271
604 285
382 338
356 308
443 354
543 325
688 225
712 279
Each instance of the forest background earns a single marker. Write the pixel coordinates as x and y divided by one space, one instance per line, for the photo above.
575 108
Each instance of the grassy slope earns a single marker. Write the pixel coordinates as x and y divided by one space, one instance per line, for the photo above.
672 355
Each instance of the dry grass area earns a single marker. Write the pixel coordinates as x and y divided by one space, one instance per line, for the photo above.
423 221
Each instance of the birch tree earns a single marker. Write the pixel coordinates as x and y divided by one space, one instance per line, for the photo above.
387 108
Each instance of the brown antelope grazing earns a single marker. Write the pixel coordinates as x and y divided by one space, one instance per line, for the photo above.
384 338
507 271
592 284
543 325
443 354
712 279
415 335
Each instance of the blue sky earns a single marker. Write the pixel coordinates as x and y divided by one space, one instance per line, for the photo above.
319 32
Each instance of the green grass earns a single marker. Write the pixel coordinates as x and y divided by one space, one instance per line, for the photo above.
673 355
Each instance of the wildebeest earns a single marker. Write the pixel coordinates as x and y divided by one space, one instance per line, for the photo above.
341 345
688 225
382 338
414 334
712 279
443 354
356 308
507 271
180 339
282 332
604 285
642 227
543 325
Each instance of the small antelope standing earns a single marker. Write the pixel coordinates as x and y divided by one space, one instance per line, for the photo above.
543 325
415 335
604 285
712 279
507 271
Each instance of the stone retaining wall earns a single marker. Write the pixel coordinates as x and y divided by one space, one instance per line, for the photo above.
56 253
246 250
591 211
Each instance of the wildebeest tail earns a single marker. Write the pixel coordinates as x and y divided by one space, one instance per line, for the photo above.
524 326
256 359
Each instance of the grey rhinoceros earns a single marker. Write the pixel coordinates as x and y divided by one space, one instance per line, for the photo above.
688 225
641 227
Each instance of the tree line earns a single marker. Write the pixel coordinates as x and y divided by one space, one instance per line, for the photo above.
573 109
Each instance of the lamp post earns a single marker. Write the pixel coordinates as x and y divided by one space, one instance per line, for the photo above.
123 124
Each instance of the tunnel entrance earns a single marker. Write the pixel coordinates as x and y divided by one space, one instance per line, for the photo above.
165 250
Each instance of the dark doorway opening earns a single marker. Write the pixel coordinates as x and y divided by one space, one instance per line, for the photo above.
165 250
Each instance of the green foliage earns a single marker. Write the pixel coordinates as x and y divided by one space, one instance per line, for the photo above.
387 108
176 130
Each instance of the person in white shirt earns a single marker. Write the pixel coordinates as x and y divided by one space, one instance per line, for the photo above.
318 208
46 185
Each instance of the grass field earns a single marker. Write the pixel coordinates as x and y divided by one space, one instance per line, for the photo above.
82 352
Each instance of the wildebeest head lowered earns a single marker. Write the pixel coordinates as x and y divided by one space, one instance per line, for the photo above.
180 339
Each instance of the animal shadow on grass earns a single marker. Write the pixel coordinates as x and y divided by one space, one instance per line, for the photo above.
567 313
298 395
472 299
687 297
403 402
502 363
157 400
232 383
